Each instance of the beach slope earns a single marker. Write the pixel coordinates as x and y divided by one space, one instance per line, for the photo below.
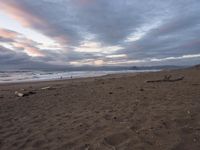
145 111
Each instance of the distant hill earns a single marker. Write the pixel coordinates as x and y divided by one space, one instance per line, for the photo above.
156 67
197 66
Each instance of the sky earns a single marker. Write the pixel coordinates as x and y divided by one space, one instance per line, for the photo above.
52 33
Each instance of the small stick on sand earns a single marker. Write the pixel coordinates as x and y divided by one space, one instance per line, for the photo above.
166 79
45 88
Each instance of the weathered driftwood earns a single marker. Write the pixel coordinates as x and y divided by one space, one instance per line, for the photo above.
19 94
22 94
166 79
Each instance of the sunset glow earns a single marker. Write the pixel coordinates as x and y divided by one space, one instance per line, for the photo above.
84 32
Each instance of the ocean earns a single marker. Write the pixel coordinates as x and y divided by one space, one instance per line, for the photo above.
26 76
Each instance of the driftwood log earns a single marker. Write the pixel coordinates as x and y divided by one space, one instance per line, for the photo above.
166 79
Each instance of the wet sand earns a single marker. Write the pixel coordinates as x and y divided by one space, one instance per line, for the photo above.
114 112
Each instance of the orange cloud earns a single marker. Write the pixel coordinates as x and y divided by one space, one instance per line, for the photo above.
29 49
8 33
32 51
21 42
19 13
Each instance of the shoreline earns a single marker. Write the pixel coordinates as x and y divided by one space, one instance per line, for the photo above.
73 78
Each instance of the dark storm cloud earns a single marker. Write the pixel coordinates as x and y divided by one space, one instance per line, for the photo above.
18 56
68 56
176 36
112 21
109 21
46 17
20 60
12 60
175 27
7 56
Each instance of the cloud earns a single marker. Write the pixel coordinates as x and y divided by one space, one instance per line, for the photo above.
19 42
174 37
7 33
14 60
31 14
26 47
108 32
30 49
69 21
11 60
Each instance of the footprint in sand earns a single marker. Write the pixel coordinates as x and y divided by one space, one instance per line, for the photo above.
38 143
116 138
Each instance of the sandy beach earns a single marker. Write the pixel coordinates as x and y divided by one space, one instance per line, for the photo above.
113 112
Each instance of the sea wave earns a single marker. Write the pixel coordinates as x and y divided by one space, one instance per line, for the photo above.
24 76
